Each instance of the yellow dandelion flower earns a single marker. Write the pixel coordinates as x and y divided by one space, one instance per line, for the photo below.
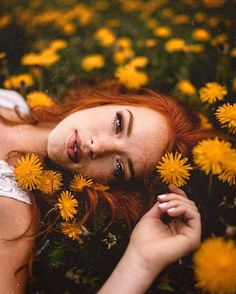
124 43
38 98
181 19
212 92
72 229
50 182
67 205
219 40
105 37
46 58
152 23
213 3
205 124
173 170
167 12
234 84
130 77
122 56
201 35
28 172
150 43
69 28
139 62
233 52
2 55
215 266
229 169
226 115
93 61
162 32
16 82
175 45
129 6
213 21
100 187
30 59
200 17
186 87
58 44
210 154
79 183
4 21
194 48
83 13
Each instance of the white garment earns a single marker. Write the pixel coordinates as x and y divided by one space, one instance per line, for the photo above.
10 99
8 184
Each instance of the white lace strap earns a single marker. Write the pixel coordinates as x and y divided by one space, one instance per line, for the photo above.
8 184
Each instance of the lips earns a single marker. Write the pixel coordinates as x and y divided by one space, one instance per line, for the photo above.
73 147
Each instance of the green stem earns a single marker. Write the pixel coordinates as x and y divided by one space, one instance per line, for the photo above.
47 214
210 185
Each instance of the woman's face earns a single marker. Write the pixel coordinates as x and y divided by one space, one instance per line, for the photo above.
109 142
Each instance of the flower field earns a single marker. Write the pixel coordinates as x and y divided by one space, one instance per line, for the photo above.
185 49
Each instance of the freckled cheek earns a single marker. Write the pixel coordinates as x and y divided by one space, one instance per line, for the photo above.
98 127
139 163
99 169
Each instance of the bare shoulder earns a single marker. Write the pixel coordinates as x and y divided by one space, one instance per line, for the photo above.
17 232
15 218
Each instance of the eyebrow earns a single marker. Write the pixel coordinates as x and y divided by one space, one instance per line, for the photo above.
129 131
130 123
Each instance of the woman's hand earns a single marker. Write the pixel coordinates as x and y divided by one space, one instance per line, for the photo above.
154 244
159 243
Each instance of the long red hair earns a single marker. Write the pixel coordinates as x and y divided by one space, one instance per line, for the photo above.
184 125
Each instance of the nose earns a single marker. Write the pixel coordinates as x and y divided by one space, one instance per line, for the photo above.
103 145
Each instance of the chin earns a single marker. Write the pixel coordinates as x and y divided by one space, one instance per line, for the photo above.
55 153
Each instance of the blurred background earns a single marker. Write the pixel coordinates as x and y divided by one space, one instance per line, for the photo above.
183 48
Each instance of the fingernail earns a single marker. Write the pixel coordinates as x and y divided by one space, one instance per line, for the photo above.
162 196
171 209
163 204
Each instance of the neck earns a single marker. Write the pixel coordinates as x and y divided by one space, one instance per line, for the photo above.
30 138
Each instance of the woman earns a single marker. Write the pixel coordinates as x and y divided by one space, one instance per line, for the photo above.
104 134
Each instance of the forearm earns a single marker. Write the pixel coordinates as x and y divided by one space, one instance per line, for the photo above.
12 284
130 276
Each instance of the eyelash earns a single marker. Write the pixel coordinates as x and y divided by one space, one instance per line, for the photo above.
119 173
118 120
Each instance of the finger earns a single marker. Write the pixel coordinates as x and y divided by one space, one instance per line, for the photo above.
164 206
177 190
154 211
190 215
172 196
